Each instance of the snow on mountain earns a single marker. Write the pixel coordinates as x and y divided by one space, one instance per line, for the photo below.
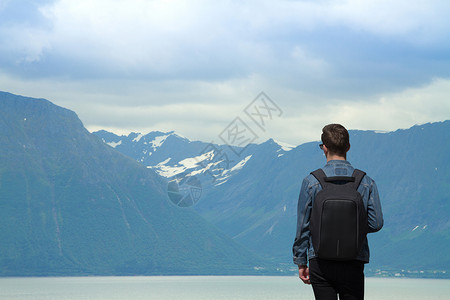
135 142
285 146
227 173
170 154
138 138
192 162
168 171
114 144
240 164
158 141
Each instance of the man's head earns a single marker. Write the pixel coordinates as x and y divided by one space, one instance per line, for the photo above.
336 140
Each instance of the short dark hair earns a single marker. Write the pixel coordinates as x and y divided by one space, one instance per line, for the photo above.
336 138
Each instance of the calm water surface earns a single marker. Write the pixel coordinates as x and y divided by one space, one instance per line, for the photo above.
205 287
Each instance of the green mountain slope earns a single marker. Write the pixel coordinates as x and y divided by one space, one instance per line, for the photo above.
70 205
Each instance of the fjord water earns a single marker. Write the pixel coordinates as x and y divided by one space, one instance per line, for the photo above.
205 287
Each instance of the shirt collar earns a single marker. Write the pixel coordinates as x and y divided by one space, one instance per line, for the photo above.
338 161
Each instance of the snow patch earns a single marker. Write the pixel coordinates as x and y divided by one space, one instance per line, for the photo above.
225 179
193 161
417 227
158 141
114 144
180 136
197 172
183 165
138 138
269 231
163 162
240 164
168 171
285 146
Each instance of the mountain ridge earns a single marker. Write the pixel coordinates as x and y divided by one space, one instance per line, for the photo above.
67 199
256 204
71 205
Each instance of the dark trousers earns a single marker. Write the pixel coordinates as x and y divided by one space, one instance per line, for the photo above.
330 278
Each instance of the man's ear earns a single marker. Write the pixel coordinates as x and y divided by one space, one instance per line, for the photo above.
348 148
325 150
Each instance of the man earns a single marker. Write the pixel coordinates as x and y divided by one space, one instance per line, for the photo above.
330 278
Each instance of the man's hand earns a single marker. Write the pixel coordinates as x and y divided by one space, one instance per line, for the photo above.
303 273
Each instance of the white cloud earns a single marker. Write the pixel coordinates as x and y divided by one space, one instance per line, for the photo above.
417 21
302 122
192 66
412 106
389 112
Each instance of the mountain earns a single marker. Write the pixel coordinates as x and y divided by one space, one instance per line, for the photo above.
253 198
71 205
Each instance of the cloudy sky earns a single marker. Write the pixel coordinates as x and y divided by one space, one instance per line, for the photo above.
194 66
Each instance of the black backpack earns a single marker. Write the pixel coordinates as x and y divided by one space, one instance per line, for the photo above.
338 221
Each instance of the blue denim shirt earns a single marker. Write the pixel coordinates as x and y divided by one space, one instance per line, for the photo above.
303 248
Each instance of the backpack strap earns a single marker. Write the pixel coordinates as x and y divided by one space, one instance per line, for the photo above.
320 176
358 175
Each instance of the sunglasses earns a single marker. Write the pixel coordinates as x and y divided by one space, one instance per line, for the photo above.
321 146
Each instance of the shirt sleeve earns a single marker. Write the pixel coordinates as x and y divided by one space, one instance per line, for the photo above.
301 242
374 213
